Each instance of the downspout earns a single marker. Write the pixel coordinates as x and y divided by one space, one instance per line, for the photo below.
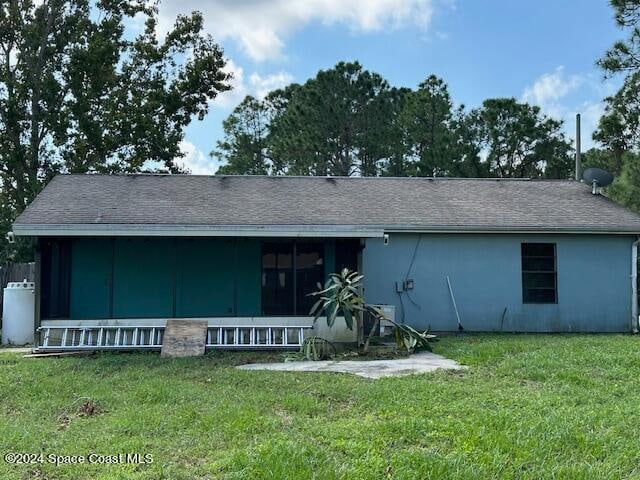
634 285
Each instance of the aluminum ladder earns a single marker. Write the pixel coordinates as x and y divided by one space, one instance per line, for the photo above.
150 337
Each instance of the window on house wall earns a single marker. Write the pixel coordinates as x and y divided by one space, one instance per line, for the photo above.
539 276
290 271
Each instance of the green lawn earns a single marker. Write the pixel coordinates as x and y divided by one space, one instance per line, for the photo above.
529 406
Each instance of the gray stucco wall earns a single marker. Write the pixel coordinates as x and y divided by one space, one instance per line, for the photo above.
593 275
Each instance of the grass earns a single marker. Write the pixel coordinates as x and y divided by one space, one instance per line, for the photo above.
529 407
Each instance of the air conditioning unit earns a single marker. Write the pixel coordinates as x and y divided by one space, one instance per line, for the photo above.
386 327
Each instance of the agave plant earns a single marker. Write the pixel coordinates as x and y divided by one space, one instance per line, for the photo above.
316 348
341 295
408 338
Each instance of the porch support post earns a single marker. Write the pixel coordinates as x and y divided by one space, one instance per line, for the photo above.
37 289
360 316
329 258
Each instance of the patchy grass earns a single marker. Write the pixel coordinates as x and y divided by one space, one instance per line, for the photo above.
529 406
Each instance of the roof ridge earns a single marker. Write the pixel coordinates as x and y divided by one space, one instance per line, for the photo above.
319 177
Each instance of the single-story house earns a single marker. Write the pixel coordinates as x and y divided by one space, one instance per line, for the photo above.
118 255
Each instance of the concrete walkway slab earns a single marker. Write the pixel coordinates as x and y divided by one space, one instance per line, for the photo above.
417 363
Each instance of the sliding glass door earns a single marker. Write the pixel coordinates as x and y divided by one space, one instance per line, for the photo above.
290 271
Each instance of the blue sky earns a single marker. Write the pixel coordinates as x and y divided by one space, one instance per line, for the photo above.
541 51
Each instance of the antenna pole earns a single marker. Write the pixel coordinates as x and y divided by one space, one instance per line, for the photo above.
578 159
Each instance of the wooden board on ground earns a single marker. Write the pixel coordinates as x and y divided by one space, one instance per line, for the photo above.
184 338
47 353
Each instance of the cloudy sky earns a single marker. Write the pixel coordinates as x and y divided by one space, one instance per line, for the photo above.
541 51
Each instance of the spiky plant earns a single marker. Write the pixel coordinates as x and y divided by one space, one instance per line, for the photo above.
341 295
316 348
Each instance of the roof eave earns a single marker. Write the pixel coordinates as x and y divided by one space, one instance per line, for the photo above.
360 231
151 230
520 229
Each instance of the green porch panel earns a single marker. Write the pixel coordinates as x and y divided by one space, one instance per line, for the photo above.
170 277
248 278
90 290
329 258
205 277
144 278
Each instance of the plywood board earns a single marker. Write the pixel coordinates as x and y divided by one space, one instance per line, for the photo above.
184 338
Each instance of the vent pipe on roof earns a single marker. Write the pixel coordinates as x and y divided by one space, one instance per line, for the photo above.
578 160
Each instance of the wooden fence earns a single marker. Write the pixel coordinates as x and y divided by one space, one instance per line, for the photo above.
15 272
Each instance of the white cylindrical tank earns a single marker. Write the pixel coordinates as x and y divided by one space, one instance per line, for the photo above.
18 313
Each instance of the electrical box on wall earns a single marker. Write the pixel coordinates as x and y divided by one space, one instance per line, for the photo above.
404 285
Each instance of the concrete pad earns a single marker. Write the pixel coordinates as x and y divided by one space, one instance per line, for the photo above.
417 363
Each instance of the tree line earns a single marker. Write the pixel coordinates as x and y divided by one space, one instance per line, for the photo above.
350 121
618 133
80 92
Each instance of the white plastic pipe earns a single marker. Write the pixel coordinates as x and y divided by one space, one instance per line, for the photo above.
453 300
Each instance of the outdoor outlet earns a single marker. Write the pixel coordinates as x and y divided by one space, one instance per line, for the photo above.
399 286
408 284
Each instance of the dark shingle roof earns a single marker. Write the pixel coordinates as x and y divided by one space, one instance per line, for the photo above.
401 203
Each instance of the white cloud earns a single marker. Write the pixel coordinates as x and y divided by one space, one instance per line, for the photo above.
260 27
551 87
256 85
195 160
562 96
262 85
590 114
